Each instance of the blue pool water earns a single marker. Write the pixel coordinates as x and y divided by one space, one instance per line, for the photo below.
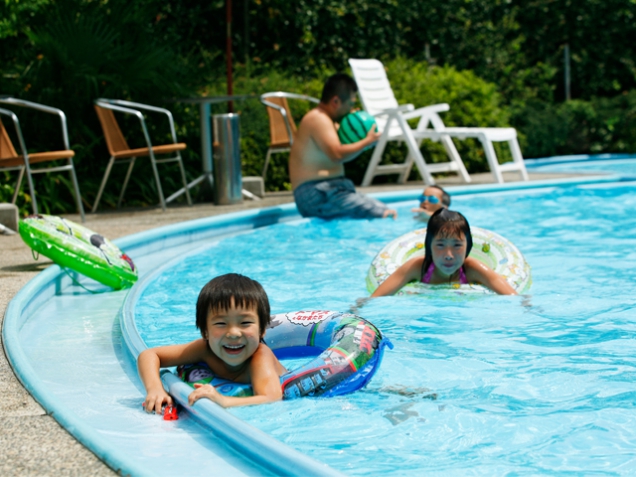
476 384
620 164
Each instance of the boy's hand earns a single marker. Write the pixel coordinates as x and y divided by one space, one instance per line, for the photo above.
390 213
206 391
156 400
421 214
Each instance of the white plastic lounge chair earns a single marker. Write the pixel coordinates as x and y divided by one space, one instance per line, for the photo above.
378 99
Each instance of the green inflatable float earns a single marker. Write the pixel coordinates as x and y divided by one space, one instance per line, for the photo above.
73 246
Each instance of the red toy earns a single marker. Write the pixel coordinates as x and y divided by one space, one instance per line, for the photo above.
170 413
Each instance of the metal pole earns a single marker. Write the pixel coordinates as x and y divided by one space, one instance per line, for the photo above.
228 52
246 36
566 61
205 192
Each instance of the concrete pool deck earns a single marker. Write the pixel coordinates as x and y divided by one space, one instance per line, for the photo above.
32 442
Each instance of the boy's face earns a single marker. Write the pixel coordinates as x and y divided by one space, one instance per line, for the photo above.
233 335
428 203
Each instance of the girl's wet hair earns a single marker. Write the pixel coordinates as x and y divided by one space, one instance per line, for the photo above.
220 293
450 224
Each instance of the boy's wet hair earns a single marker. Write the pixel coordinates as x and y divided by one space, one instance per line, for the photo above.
450 224
341 85
446 199
221 292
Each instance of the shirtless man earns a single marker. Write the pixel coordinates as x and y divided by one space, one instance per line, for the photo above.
316 160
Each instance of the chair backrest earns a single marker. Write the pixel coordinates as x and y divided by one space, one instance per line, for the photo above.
6 146
278 132
374 88
115 140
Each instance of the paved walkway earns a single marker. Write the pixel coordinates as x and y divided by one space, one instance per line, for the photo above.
32 443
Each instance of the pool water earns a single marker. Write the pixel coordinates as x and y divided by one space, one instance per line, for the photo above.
625 167
478 384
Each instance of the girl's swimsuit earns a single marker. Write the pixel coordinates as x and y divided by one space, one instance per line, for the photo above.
429 273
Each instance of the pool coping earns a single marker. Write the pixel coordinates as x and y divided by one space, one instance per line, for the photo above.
543 161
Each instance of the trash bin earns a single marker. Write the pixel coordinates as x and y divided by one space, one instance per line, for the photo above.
227 159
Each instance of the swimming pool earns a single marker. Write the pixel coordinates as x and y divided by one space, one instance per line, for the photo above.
476 384
496 364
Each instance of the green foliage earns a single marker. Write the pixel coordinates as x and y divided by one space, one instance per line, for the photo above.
7 187
494 61
105 49
601 125
254 120
15 15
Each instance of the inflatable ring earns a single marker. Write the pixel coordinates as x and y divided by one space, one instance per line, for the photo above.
488 247
347 351
73 246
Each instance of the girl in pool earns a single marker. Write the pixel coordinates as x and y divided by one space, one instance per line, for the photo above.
232 314
447 245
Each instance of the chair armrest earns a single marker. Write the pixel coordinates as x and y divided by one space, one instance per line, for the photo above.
282 94
132 105
281 110
400 109
18 131
45 109
435 108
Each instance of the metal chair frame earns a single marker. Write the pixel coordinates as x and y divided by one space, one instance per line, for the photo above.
132 108
26 167
287 119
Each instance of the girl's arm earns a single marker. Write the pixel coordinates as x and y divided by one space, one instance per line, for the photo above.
152 359
409 271
265 379
481 273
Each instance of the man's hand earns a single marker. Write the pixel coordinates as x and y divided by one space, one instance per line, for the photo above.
372 135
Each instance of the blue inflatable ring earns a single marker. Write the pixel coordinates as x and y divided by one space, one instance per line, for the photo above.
346 351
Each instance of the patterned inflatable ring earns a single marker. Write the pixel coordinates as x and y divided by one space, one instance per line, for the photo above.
74 246
489 248
346 350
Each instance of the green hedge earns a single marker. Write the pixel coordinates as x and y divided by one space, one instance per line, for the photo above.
601 125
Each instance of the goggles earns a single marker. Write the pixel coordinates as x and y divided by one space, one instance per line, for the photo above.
431 198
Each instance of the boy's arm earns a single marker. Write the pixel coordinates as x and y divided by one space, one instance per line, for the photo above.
409 271
265 383
481 273
151 360
323 132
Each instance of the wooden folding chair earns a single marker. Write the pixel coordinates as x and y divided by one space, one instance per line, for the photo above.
122 153
10 160
282 128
